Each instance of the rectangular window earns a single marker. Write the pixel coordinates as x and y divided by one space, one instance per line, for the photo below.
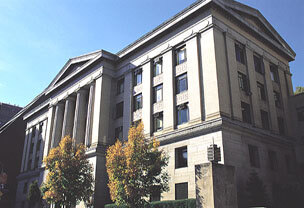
25 187
181 83
274 73
158 121
181 55
240 53
137 77
277 99
273 162
120 86
182 113
261 91
119 132
281 125
158 93
157 66
137 102
254 156
181 191
265 120
119 109
246 114
258 64
181 157
243 82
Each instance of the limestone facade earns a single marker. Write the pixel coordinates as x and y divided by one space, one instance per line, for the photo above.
216 72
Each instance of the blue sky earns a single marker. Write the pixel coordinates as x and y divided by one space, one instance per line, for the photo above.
38 37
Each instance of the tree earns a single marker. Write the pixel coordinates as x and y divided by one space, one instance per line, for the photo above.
299 90
136 169
70 178
256 191
34 194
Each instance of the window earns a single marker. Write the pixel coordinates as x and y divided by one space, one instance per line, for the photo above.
277 99
25 187
137 102
181 157
254 156
243 82
240 53
120 86
300 112
181 191
157 67
137 77
265 120
273 162
181 55
281 125
182 114
258 64
246 112
158 93
274 73
158 121
119 110
119 132
181 83
261 91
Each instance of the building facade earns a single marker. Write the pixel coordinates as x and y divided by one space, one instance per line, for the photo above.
7 111
217 72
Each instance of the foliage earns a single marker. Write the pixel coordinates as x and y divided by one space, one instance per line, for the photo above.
70 178
136 169
184 203
299 90
256 191
34 194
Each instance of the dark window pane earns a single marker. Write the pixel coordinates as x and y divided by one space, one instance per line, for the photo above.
181 55
181 83
158 121
258 64
182 114
158 93
265 120
181 157
240 53
120 86
137 77
181 191
137 102
277 99
243 82
119 110
157 68
246 114
274 73
254 156
261 91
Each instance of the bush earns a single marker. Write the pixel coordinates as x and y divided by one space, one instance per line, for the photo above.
184 203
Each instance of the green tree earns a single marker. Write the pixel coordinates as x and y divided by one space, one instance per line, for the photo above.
136 169
69 178
299 90
256 191
34 194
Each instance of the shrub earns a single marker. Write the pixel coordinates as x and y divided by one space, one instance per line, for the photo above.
184 203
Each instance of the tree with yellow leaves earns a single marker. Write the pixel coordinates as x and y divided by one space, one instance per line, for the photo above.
136 169
69 179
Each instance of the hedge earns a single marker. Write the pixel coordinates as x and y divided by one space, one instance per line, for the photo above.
184 203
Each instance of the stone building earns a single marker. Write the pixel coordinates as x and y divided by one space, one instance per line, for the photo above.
7 111
215 72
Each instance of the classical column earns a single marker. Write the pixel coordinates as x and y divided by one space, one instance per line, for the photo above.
88 135
35 146
49 131
168 87
146 93
80 116
24 150
43 141
57 129
68 121
28 150
128 94
194 85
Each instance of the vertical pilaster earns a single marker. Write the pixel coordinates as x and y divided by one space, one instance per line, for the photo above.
35 146
24 150
88 136
168 91
127 115
68 120
57 129
194 86
80 116
43 141
28 150
146 93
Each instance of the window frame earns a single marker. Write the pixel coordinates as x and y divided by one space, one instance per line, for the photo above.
274 73
262 91
156 117
178 82
180 160
178 51
119 109
183 186
254 156
136 73
158 61
246 117
258 64
240 54
243 82
265 123
179 109
120 86
135 106
277 99
155 89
